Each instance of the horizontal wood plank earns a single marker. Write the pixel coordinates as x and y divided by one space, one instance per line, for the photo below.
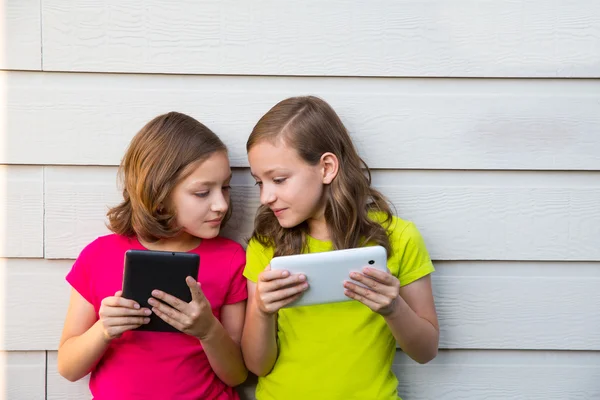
500 375
22 375
89 119
61 389
21 35
487 305
502 38
21 211
454 375
463 216
34 304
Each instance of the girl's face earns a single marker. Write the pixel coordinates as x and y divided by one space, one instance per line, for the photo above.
289 186
202 198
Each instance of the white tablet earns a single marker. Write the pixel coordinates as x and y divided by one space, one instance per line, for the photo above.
326 272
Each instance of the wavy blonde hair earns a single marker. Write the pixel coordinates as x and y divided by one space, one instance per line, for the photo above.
309 125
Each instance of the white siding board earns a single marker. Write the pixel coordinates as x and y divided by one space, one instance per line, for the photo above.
61 389
504 38
453 375
397 123
34 303
534 219
500 375
20 35
22 375
480 305
21 211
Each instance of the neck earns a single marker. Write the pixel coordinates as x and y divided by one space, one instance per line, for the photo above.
317 227
182 243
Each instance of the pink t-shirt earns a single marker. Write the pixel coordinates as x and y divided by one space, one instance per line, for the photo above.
158 365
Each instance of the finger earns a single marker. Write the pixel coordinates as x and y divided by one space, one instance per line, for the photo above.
168 319
280 304
366 293
170 300
276 284
118 293
282 294
166 310
381 276
117 301
123 321
376 285
367 302
125 312
197 294
269 275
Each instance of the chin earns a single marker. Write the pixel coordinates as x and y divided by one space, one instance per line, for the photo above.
207 234
288 223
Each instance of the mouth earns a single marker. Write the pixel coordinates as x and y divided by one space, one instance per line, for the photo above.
216 221
278 211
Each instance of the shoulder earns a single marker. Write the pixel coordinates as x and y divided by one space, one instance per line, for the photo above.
258 256
225 252
256 248
395 225
224 246
400 231
102 244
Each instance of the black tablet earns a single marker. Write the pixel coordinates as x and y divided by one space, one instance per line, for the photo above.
147 270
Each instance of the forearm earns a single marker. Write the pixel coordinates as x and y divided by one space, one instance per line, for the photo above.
416 336
78 355
224 355
259 342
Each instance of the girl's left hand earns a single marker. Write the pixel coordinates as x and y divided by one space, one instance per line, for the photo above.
381 293
194 318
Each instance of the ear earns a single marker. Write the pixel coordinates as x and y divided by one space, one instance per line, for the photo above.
329 167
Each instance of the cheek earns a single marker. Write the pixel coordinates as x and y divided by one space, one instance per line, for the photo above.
309 192
191 207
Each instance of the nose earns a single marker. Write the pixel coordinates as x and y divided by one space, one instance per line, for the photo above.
267 196
220 205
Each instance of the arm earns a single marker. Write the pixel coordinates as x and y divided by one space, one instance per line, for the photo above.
409 311
413 321
82 343
259 341
222 345
272 291
220 341
85 339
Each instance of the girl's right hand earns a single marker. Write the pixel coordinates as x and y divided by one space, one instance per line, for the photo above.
276 289
118 315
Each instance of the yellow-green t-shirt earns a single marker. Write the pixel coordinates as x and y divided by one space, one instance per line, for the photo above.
340 350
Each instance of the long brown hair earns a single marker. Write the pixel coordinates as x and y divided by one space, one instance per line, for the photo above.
309 125
164 152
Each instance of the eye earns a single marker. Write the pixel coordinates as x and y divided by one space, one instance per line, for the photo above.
258 183
226 187
201 194
279 181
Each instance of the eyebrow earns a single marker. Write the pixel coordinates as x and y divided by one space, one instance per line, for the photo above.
211 183
267 172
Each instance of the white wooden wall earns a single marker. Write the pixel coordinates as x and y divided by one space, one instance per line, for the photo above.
469 112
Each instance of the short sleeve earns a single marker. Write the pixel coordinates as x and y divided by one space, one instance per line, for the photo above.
412 254
79 277
257 259
237 289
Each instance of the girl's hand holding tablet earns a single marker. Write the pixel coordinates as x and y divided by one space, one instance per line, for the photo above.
119 315
194 318
276 289
381 292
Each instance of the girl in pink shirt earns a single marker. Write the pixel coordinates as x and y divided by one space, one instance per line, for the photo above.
176 178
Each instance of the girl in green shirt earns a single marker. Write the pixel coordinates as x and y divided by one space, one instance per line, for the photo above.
316 195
